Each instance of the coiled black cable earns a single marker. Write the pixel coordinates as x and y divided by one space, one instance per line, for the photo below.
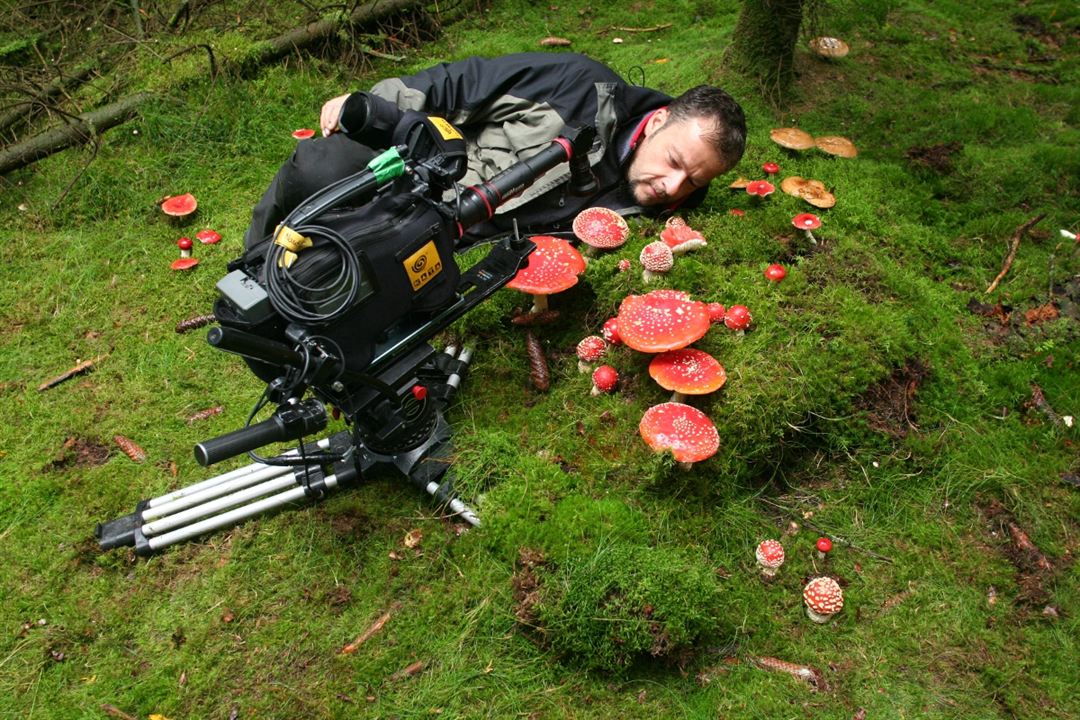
301 303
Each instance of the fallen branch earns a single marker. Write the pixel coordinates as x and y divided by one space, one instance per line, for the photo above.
78 131
408 671
1014 245
375 627
83 367
1024 543
806 673
116 712
25 108
654 28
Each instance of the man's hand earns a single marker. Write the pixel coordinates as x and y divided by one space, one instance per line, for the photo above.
331 113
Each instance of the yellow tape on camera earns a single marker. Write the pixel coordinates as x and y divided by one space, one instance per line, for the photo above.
448 131
291 240
423 265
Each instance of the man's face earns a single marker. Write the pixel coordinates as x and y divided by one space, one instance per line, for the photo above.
672 160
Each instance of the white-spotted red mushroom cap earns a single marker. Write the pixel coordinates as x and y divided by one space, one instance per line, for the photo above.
684 430
761 188
623 265
553 267
682 238
737 317
716 312
604 379
687 371
806 221
601 228
591 348
823 596
656 257
179 205
661 320
610 331
770 554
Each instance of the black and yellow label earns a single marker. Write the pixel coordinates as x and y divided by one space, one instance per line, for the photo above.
448 131
423 265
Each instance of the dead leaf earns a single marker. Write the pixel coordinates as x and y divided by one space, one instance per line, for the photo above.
1041 314
413 538
228 617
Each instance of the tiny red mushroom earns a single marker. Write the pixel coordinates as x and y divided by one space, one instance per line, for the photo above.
610 331
604 380
624 265
807 222
589 350
553 267
775 272
681 238
770 168
716 312
737 318
656 259
208 237
770 556
661 320
687 371
179 206
184 244
303 133
760 188
824 545
737 212
823 598
185 261
600 229
684 430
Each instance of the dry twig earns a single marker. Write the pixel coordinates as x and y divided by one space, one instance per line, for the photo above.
1014 245
374 628
83 367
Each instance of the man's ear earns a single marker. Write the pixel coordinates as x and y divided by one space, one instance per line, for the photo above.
656 121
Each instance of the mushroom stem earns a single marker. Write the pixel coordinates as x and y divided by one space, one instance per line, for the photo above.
647 276
811 236
678 397
540 303
818 617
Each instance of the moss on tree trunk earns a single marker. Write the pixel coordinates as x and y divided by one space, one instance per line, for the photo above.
763 43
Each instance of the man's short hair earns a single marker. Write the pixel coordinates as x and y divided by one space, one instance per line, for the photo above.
728 135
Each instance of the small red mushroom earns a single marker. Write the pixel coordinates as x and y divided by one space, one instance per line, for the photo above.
807 222
553 267
682 238
760 188
684 430
737 212
716 312
823 598
824 545
208 237
661 320
185 261
623 265
303 133
656 259
737 318
600 229
687 371
589 350
770 556
179 206
184 244
610 331
604 380
770 168
775 272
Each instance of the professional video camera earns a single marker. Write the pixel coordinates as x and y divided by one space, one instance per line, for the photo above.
342 303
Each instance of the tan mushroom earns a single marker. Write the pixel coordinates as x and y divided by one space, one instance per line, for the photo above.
836 145
812 191
792 138
829 47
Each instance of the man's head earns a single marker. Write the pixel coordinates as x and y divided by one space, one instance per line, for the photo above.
700 135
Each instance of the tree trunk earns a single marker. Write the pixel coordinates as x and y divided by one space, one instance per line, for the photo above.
763 43
76 132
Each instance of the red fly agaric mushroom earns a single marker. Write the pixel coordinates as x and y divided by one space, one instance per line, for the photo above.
179 206
775 272
589 350
185 261
807 222
770 556
770 168
656 259
600 229
682 238
687 371
737 317
553 267
824 598
610 331
792 138
760 188
604 380
661 320
303 133
824 545
684 430
208 237
623 265
716 312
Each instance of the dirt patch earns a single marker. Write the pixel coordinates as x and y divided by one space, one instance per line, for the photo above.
938 158
1034 570
79 452
888 404
526 585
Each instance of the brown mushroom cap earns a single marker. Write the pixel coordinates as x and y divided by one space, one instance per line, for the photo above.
661 320
684 430
553 267
836 145
829 47
739 183
792 138
687 371
812 191
601 228
823 596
